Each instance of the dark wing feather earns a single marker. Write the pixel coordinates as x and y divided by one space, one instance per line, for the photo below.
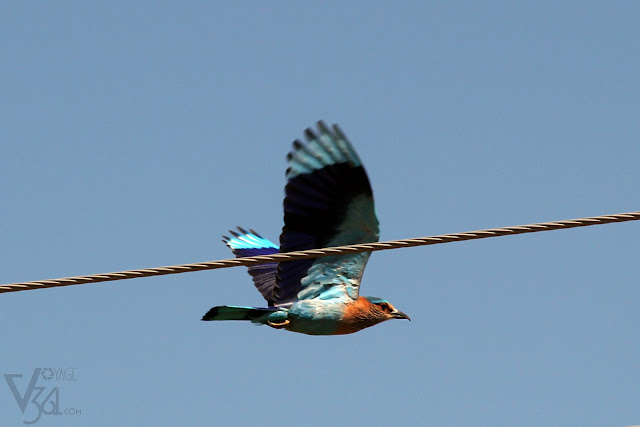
328 202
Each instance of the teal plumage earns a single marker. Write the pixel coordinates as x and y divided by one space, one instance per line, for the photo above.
328 202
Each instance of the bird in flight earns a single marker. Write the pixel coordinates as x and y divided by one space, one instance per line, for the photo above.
328 202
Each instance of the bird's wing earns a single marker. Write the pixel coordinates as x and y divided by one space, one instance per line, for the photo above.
328 202
249 243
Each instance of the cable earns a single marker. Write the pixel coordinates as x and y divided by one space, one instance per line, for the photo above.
315 253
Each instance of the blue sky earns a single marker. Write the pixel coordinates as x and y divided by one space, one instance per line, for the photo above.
134 134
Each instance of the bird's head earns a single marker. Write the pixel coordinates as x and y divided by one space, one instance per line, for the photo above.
383 309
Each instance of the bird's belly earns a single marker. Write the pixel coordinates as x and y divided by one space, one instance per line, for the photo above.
315 317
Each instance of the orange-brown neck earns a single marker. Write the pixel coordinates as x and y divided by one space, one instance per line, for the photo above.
358 315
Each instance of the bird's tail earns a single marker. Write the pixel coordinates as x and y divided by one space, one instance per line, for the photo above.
229 312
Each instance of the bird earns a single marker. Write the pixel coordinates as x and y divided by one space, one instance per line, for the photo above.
328 202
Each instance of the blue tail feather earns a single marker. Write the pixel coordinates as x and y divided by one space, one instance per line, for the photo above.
249 243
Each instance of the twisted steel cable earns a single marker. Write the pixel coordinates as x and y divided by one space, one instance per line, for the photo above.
315 253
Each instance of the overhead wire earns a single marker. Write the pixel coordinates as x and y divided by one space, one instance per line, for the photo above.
322 252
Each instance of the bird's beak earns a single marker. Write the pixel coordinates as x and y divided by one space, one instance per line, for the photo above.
400 315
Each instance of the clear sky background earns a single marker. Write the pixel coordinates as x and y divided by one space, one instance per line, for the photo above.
134 134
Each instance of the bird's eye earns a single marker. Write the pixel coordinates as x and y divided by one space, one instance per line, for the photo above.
384 306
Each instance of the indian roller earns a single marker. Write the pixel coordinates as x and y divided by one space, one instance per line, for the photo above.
328 202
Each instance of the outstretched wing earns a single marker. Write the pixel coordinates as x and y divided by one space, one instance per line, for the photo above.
249 243
328 202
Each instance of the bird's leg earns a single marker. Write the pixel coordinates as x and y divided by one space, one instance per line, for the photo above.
278 320
278 325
